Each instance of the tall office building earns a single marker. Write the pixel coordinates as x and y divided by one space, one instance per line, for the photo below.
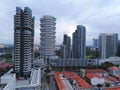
79 43
47 44
95 43
108 44
65 51
118 48
23 41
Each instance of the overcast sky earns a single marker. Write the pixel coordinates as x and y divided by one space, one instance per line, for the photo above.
99 16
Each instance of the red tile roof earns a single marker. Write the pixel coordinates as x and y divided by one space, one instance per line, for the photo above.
113 88
4 65
95 71
60 84
81 82
118 76
90 76
113 68
111 79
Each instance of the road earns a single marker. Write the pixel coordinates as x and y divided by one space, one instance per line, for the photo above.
53 85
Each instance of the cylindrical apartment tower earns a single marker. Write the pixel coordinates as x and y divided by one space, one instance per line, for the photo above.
47 44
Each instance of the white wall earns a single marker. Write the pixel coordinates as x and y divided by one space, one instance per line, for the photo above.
10 79
95 81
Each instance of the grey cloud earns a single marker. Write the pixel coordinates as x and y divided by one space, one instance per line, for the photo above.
97 15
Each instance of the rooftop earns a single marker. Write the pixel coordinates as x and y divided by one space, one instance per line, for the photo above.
33 81
111 79
2 86
4 65
113 68
81 82
22 82
118 76
95 71
113 88
60 84
90 76
67 84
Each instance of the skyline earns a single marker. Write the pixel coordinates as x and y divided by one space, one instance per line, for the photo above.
100 16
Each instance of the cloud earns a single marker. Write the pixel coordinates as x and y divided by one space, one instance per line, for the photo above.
64 26
98 16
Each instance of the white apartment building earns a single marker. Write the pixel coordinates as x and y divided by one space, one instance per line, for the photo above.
108 44
47 44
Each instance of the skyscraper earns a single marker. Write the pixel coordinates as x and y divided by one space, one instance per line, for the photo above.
65 51
95 43
47 44
79 43
118 48
108 44
23 41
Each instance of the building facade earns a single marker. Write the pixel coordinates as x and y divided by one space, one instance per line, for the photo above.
47 44
95 43
68 62
79 43
65 51
23 41
118 49
108 44
114 71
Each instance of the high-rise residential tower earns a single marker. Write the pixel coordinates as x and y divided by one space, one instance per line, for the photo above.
23 41
47 44
79 43
108 44
65 51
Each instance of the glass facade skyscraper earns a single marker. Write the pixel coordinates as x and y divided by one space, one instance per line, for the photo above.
65 51
79 43
23 41
95 43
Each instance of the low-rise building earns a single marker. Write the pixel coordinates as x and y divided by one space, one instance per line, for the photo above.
113 88
94 79
4 87
78 83
118 77
100 72
113 60
34 83
9 80
68 62
112 81
114 71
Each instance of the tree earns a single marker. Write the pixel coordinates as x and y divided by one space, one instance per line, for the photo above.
107 85
7 56
57 52
99 86
106 65
89 66
91 54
